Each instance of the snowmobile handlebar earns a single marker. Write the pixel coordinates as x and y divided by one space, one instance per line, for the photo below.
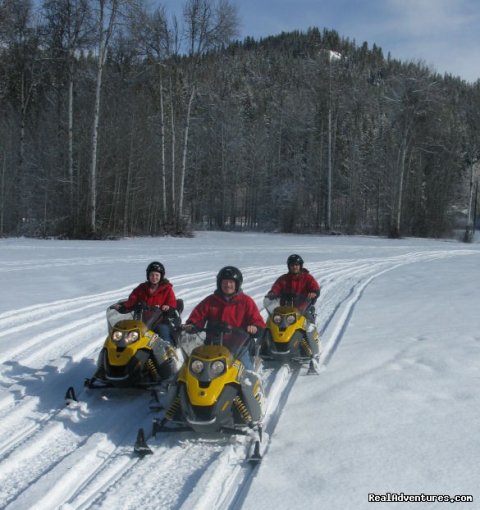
291 299
217 329
137 309
236 340
143 307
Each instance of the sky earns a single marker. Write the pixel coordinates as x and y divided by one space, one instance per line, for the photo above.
442 34
393 410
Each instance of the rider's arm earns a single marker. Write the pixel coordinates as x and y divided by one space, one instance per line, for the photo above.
169 297
199 314
278 287
253 317
119 307
313 285
133 299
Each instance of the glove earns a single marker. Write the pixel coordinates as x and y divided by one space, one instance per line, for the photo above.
190 328
119 307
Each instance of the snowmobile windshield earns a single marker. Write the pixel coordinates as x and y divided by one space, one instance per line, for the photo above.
271 304
149 315
114 316
299 301
234 339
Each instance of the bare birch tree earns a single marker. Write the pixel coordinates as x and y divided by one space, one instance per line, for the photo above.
157 41
68 31
208 25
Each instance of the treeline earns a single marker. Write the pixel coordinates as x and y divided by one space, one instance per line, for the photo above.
120 121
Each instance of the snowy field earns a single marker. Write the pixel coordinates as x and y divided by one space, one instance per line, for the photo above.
394 411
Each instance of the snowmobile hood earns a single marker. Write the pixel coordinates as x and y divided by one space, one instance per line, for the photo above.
204 384
128 325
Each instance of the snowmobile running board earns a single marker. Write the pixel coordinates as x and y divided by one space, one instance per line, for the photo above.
92 384
298 362
159 426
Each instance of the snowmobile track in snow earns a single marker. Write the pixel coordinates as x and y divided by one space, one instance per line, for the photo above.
78 457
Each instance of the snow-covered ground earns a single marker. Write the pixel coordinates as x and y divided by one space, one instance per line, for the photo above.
395 409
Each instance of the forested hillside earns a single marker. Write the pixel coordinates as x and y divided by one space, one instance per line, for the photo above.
120 121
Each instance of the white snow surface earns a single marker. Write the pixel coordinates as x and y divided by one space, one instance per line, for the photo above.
394 410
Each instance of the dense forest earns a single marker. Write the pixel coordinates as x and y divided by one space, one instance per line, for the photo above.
117 120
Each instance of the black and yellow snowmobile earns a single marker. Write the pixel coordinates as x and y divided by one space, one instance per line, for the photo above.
133 355
214 392
291 334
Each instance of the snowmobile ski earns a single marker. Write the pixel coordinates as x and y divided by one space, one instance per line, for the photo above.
141 447
70 396
256 454
255 457
155 405
313 367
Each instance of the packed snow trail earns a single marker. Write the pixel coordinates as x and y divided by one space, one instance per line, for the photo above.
81 456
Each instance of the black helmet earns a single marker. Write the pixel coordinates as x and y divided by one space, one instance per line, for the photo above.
294 259
157 267
229 273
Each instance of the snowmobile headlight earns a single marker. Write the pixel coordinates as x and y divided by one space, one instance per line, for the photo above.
133 336
196 366
291 319
277 319
117 336
217 367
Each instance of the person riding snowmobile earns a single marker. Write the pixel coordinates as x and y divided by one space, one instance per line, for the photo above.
133 355
228 305
292 334
217 388
298 280
157 291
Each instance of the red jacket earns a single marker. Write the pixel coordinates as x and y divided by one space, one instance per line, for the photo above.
162 295
239 311
301 283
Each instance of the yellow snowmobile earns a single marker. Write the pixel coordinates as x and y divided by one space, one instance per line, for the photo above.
291 334
214 391
133 355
